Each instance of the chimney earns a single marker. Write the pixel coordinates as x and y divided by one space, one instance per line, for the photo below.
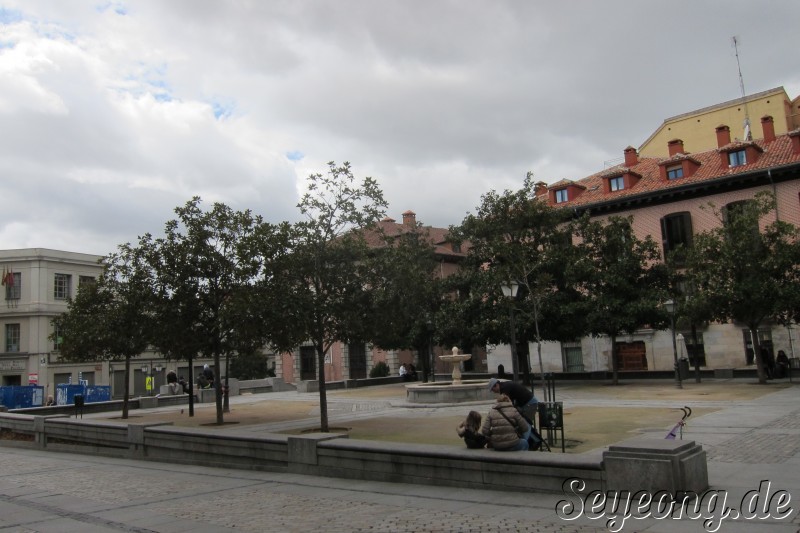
723 136
768 127
675 146
539 189
409 218
631 157
795 137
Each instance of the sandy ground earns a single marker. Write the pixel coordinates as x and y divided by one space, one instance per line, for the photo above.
586 427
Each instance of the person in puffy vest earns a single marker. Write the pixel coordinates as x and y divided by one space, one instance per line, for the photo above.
504 426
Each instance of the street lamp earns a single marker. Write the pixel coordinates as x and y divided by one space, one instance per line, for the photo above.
670 307
510 291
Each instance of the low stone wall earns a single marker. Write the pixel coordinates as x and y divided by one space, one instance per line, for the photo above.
672 466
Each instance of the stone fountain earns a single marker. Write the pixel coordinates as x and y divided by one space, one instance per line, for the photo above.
455 391
456 359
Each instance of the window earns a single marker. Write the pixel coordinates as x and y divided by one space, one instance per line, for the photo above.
675 172
676 236
561 196
694 351
12 337
62 286
617 184
742 215
13 283
85 280
57 338
737 158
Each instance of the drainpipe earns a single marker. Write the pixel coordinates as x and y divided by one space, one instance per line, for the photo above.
775 193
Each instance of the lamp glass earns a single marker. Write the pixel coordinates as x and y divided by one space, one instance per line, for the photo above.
510 290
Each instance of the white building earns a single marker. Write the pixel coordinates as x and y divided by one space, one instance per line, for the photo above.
37 284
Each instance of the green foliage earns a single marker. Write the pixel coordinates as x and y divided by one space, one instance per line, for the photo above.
328 271
623 279
206 269
380 370
405 290
514 237
739 272
249 366
111 319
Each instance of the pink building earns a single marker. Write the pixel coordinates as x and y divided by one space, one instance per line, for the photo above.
664 196
354 361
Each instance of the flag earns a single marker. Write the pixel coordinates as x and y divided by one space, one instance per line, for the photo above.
8 277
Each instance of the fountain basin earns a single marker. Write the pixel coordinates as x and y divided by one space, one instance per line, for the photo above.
470 390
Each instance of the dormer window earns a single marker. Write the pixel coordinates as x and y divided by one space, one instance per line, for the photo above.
737 158
616 184
675 172
561 196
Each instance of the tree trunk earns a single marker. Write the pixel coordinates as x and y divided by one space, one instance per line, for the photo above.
760 368
218 389
226 406
323 397
127 387
191 384
695 354
614 362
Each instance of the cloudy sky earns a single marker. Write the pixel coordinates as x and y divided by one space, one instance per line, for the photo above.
114 113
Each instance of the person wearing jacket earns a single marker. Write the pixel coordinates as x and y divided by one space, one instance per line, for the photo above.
522 398
470 431
504 425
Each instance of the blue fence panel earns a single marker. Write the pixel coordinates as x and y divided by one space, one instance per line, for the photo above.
98 393
14 397
65 393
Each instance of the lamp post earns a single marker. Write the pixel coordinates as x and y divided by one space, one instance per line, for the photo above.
670 306
510 292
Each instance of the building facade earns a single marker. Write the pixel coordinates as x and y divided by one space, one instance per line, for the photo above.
37 285
696 128
355 360
668 198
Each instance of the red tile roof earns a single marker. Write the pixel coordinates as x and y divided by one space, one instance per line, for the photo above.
774 154
438 237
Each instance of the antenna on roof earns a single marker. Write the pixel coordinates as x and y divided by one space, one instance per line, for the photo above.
748 136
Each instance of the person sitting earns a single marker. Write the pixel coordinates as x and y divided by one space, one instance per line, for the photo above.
470 431
412 372
404 372
202 382
501 372
781 365
208 374
50 401
505 428
185 384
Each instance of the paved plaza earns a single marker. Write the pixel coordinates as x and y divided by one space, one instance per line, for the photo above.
753 447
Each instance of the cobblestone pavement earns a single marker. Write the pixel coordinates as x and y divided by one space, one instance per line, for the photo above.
749 443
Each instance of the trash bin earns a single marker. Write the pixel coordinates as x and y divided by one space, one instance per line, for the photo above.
683 368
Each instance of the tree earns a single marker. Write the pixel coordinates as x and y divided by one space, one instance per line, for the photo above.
110 319
206 267
624 280
329 272
406 293
746 274
515 237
